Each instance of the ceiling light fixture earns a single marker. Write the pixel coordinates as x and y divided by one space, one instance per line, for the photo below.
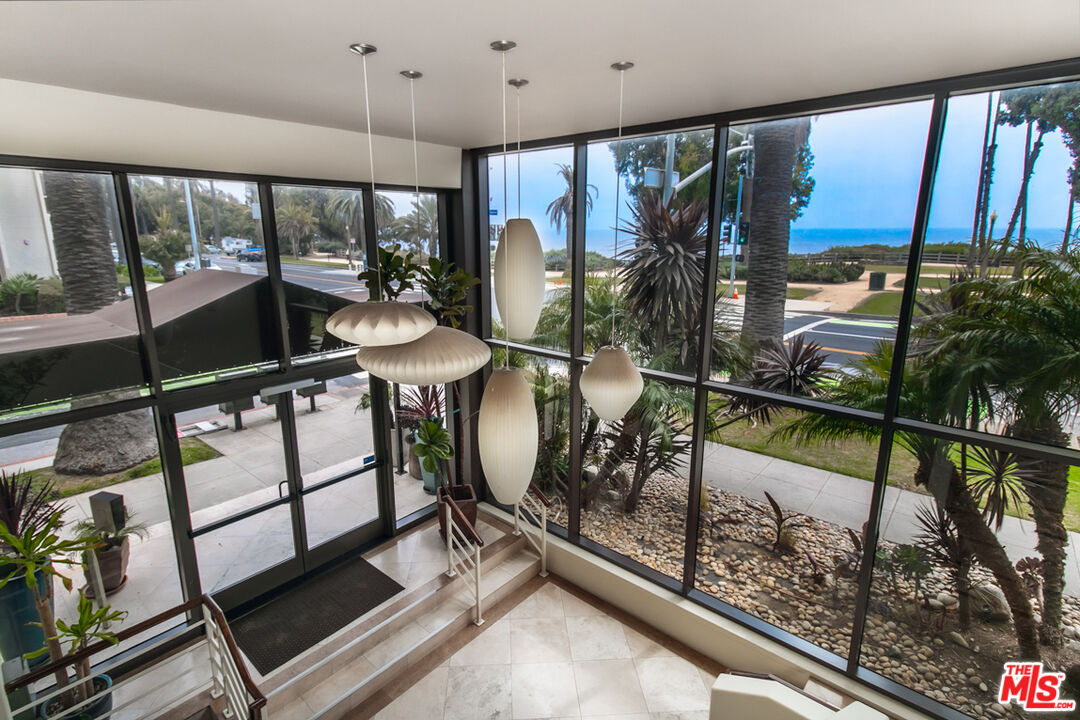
507 428
377 322
612 383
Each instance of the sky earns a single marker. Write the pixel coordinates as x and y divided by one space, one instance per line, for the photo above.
867 165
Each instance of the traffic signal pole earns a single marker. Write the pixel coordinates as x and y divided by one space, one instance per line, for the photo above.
735 233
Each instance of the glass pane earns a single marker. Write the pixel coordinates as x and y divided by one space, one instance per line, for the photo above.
544 195
550 381
958 591
409 221
245 548
341 507
117 454
999 285
414 489
661 247
634 478
333 427
321 245
246 464
68 325
776 561
815 209
212 311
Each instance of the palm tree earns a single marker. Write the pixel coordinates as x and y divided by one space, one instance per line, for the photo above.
561 209
348 206
924 396
776 154
1016 340
419 229
167 246
76 203
296 223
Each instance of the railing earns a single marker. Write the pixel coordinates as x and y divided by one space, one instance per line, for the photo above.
228 674
463 545
534 511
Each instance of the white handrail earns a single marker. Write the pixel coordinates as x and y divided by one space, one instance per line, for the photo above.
466 563
534 513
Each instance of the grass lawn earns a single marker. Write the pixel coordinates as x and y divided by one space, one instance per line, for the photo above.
887 268
881 303
192 450
927 283
793 293
308 261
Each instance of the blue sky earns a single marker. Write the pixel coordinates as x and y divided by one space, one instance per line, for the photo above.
867 165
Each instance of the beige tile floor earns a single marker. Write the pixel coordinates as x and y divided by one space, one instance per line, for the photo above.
557 656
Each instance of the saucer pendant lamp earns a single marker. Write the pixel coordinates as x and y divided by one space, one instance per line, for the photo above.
441 355
507 429
612 383
519 258
377 322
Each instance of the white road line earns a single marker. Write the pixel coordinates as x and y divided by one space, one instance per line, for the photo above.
852 335
804 328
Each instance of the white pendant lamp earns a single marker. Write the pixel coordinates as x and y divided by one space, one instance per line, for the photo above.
519 257
377 323
507 429
508 432
612 383
441 356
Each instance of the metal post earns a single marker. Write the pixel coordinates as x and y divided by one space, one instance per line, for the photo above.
96 583
517 518
543 540
735 233
449 538
476 561
217 688
191 223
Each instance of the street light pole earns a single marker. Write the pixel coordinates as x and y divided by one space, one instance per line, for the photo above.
735 233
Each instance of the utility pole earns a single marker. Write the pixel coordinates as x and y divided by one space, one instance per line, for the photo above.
735 232
191 223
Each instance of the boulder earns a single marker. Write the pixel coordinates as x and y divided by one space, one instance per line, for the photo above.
989 601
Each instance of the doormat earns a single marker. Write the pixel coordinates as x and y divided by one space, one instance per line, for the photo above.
275 633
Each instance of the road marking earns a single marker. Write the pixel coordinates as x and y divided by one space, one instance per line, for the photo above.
850 335
804 328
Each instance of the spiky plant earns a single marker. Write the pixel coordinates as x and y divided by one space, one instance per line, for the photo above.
949 549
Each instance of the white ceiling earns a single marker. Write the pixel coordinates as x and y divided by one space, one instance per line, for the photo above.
287 59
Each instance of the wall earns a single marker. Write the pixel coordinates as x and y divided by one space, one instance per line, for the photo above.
50 121
25 245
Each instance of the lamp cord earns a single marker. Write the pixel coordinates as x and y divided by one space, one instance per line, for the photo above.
416 170
506 234
618 182
371 166
517 95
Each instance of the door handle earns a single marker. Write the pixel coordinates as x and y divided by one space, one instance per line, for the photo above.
279 493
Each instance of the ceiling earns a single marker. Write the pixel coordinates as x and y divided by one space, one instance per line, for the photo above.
287 59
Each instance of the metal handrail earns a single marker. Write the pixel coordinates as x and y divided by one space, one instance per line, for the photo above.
463 545
534 510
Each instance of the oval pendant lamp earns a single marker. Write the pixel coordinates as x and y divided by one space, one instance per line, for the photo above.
377 323
507 429
441 356
612 383
508 432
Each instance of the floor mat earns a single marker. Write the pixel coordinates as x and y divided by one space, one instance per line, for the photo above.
275 633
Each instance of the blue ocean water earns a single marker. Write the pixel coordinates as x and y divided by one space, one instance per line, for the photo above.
821 239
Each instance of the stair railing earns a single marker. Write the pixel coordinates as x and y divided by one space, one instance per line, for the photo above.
463 545
530 518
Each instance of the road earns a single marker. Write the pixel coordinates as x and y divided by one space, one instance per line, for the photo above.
842 339
334 279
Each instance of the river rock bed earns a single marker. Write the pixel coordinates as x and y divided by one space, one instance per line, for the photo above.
916 644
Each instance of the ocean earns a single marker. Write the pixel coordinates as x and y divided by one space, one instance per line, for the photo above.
821 239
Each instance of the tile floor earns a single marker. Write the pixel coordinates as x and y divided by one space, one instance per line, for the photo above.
555 655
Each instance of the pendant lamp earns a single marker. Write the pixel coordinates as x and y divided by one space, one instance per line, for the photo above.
519 257
508 430
441 356
612 383
377 322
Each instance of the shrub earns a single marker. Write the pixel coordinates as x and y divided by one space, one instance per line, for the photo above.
50 298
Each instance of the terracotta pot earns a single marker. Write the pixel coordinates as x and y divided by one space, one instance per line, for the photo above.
464 496
113 562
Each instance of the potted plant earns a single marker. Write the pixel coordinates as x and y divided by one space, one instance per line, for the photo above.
90 625
114 551
426 402
33 556
23 506
435 448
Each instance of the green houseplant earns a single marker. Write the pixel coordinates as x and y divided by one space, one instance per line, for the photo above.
24 505
434 447
90 625
114 551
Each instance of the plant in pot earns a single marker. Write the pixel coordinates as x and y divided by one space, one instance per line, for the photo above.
91 625
113 552
426 402
435 448
33 557
24 506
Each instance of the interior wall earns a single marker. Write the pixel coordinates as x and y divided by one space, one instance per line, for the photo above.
56 122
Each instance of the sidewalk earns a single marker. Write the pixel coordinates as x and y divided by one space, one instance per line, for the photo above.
845 501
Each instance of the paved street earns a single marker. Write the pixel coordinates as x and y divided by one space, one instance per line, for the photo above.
842 339
334 279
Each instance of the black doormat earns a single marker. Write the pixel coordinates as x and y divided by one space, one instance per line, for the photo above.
275 633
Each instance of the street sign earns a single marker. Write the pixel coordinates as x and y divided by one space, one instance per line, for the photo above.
492 211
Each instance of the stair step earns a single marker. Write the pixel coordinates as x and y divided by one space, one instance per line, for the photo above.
349 668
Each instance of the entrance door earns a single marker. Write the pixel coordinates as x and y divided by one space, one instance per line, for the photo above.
280 483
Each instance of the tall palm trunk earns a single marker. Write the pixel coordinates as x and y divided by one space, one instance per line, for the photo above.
775 145
965 514
1046 494
1031 154
85 263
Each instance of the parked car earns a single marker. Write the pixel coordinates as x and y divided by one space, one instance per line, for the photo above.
252 254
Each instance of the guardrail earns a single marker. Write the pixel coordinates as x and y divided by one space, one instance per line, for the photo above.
463 545
228 674
534 511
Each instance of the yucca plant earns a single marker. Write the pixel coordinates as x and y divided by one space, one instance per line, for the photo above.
20 286
24 504
946 547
